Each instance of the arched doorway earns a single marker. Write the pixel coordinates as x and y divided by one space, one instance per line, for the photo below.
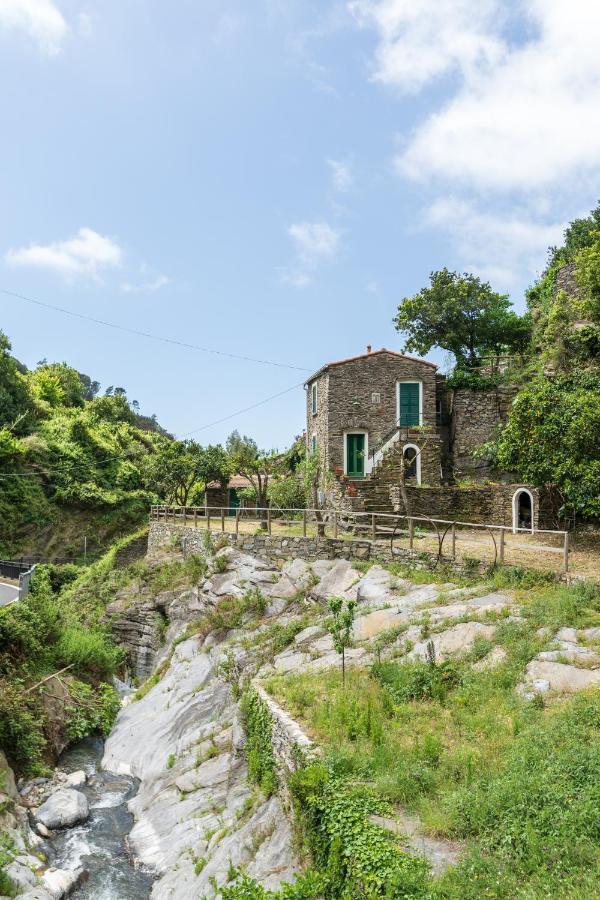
412 463
522 510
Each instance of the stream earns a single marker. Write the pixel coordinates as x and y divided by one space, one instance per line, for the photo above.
99 845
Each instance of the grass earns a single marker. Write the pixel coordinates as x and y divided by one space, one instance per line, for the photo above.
519 782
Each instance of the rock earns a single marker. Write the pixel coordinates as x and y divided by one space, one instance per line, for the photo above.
7 779
76 779
299 573
308 634
60 883
355 656
458 639
290 662
340 580
567 634
64 808
590 634
211 773
42 830
374 623
238 735
561 678
375 586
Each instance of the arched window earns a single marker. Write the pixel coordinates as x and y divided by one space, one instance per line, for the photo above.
522 504
412 463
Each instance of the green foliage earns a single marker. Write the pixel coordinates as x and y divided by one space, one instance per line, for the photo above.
418 681
16 404
287 492
578 235
88 651
472 379
359 859
259 750
171 760
259 466
180 469
91 711
462 314
553 438
306 887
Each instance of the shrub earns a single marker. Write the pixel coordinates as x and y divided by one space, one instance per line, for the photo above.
417 681
88 651
259 750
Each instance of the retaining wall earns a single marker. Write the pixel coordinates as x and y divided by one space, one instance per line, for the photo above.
278 549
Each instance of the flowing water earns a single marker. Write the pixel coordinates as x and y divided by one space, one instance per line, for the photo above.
100 844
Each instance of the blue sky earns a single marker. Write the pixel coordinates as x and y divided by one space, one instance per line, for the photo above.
271 183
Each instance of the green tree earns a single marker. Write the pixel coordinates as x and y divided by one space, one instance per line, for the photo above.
16 406
258 466
57 384
552 439
340 627
462 314
181 467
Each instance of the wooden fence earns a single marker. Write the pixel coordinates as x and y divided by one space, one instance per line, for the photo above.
500 544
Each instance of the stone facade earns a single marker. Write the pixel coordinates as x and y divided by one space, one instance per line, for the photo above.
360 395
475 417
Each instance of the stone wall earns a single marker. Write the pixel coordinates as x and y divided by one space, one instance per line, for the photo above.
566 280
292 748
278 550
131 552
486 504
475 417
318 423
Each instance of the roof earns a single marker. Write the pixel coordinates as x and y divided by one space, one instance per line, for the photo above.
236 481
341 362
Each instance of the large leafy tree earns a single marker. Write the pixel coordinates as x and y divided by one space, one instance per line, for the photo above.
181 468
552 439
258 466
16 407
462 314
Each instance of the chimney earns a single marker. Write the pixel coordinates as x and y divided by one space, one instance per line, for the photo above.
368 348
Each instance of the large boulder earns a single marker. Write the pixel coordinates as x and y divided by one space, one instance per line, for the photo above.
64 808
458 639
557 678
340 580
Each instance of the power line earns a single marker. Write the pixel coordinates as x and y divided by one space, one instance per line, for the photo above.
153 337
110 459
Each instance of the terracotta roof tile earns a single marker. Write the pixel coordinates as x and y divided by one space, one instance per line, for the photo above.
340 362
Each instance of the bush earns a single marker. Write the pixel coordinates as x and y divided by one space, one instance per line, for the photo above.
417 681
91 711
259 750
88 651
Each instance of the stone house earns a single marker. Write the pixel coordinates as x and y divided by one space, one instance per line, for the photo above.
217 496
371 416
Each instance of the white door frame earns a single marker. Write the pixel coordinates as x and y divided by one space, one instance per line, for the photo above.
515 510
367 461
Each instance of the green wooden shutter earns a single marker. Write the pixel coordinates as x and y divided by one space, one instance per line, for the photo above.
410 393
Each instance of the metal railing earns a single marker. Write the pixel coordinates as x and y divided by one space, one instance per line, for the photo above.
442 537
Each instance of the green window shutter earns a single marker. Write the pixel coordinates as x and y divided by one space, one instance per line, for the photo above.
410 394
314 399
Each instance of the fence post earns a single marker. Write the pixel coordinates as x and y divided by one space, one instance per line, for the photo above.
373 527
335 524
304 522
501 550
184 514
566 553
222 519
454 540
195 517
237 521
208 518
411 533
269 519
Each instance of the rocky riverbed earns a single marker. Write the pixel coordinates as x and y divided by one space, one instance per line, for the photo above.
165 808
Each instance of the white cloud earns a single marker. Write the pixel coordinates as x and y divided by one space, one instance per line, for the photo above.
40 19
523 115
420 40
294 277
501 249
314 240
146 287
342 176
85 254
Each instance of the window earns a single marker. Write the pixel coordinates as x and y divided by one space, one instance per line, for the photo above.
313 443
314 398
409 403
375 398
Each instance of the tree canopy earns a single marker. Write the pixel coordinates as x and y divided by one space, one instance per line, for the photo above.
180 470
463 315
258 466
